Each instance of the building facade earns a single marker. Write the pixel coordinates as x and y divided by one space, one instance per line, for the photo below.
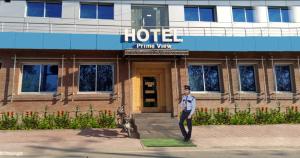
64 54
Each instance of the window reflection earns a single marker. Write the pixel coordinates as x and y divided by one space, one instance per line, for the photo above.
283 78
96 78
39 78
247 78
204 78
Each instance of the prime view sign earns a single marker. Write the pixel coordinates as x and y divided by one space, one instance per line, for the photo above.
142 36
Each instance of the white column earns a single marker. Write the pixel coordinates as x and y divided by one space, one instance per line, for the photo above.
295 13
261 14
224 14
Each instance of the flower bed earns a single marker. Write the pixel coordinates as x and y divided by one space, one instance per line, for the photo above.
59 120
263 115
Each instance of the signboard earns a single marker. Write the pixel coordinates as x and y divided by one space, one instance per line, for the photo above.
142 38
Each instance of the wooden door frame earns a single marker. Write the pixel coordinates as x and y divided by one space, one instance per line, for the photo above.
163 70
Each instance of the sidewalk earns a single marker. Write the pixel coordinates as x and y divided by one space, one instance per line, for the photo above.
93 141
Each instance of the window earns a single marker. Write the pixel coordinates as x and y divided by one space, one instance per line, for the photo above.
96 78
44 9
53 10
204 78
149 17
247 78
96 11
278 14
283 78
193 13
106 12
243 14
39 78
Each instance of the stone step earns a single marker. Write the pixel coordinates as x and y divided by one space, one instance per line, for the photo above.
152 115
158 127
160 134
142 121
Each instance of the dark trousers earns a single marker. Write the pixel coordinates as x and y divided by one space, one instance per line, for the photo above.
183 117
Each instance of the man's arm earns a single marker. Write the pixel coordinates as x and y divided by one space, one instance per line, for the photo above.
181 103
193 107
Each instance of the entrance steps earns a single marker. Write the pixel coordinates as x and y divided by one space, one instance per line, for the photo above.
156 125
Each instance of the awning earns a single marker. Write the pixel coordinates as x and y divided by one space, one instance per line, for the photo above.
167 52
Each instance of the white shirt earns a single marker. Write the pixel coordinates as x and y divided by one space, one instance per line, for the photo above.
188 102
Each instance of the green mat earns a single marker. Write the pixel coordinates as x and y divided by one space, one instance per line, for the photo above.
166 143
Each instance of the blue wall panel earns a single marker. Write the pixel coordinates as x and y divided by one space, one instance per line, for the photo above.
18 40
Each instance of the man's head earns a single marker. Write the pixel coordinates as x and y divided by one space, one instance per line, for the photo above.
187 89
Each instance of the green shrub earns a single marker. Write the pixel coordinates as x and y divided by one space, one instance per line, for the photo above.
9 121
222 118
292 116
106 120
47 122
62 120
30 121
242 118
201 118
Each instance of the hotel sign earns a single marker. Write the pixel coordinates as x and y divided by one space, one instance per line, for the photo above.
141 36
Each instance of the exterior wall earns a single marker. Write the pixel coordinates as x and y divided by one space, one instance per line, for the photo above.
65 100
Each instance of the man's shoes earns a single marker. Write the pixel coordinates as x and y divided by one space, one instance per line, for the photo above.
186 139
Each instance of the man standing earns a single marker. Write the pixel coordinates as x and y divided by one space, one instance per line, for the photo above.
188 105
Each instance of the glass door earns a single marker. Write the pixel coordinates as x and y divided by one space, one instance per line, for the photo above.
149 92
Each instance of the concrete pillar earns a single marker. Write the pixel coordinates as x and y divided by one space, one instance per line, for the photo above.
261 14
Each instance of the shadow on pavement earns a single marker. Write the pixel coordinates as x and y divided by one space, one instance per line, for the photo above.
105 133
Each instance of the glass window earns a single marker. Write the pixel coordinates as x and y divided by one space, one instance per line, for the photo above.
106 12
53 10
204 78
243 14
278 14
191 14
207 14
283 78
199 13
249 14
88 11
238 15
96 78
149 17
211 76
35 9
196 78
39 78
247 78
285 15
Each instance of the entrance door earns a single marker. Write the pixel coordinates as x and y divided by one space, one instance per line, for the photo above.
151 93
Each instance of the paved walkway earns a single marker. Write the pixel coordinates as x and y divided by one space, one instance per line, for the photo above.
93 141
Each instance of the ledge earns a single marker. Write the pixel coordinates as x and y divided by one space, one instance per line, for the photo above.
35 97
208 96
249 96
282 96
79 97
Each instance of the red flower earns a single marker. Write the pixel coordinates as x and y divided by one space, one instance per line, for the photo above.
62 113
12 114
205 110
222 109
218 109
27 113
30 113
